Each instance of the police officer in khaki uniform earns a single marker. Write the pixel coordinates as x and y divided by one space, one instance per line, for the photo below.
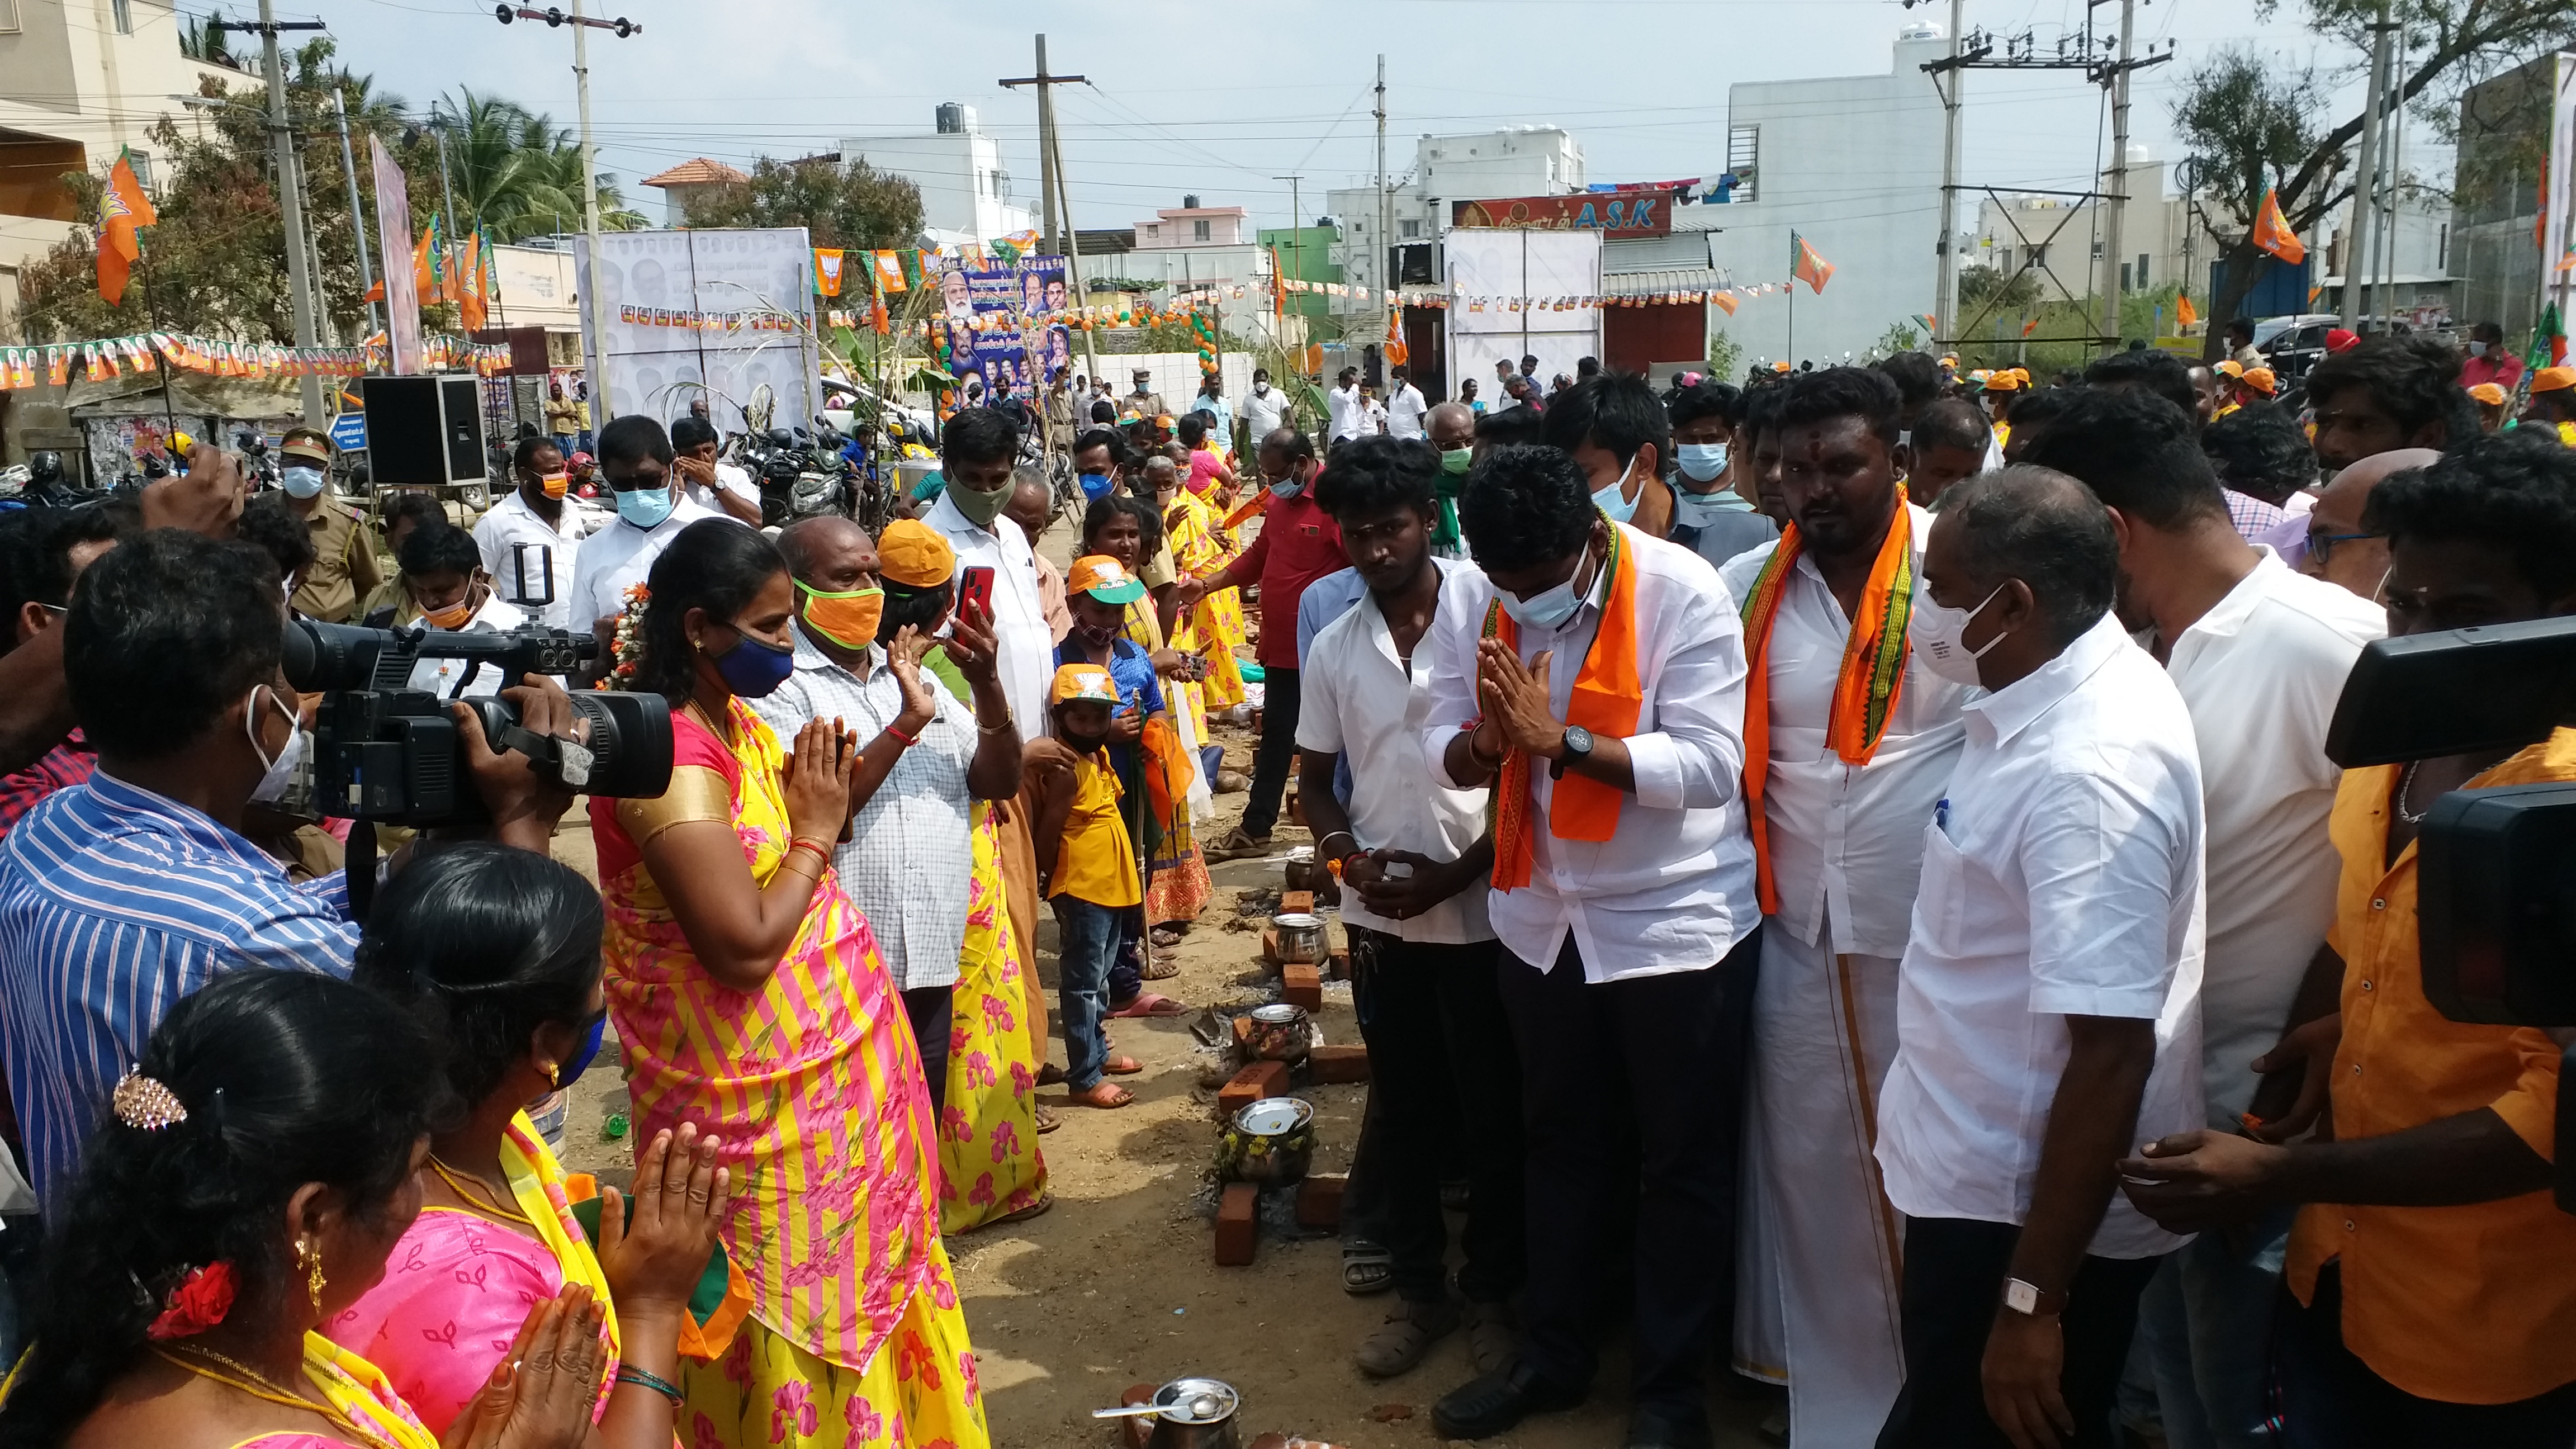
344 548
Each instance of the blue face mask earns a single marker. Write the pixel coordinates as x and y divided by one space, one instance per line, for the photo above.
1551 608
570 1072
1095 486
1701 462
1288 487
753 669
301 482
1614 501
646 507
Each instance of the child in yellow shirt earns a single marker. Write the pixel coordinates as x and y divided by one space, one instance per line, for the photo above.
1092 878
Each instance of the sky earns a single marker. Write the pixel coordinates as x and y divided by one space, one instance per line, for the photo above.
1217 98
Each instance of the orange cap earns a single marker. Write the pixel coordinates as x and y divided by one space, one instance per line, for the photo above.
2260 379
1082 681
2230 368
2004 379
1103 578
2488 393
913 554
2551 379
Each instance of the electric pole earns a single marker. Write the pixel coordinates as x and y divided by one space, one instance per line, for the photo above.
357 213
1946 300
596 363
2365 204
1058 198
447 208
2112 212
1385 226
299 267
1296 245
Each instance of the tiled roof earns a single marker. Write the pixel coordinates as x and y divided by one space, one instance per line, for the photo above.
698 172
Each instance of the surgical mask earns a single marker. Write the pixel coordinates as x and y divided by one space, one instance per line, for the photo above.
2477 349
555 485
980 508
301 482
1455 461
646 507
1260 388
1094 636
1700 462
848 618
1938 634
1551 608
1614 500
454 616
754 668
276 774
1288 487
570 1072
1096 486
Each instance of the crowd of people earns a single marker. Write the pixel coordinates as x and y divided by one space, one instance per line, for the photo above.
1845 868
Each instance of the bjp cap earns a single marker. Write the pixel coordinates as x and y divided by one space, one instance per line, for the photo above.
1082 681
913 554
2551 379
1103 578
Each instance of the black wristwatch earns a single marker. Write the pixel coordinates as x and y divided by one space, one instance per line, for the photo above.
1578 748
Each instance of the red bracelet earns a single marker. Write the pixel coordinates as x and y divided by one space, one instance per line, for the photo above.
820 853
908 740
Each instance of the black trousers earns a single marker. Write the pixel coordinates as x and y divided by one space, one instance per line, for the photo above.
929 1008
1646 1061
1954 1281
2330 1399
1433 1019
1278 753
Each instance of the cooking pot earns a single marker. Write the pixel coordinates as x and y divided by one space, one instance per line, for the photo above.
1187 1414
1300 937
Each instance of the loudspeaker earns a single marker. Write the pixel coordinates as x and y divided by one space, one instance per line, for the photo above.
423 430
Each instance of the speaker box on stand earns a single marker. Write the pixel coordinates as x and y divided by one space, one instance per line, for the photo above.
426 432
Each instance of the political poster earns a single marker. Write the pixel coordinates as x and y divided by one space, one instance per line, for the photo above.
1006 327
718 313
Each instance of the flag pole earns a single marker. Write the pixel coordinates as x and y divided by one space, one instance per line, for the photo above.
152 310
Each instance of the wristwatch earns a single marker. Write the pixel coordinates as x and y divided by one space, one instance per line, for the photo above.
1578 748
2030 1300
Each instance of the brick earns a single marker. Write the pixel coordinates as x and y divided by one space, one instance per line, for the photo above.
1337 964
1270 945
1259 1080
1133 1432
1339 1063
1243 1033
1302 986
1292 903
1238 1225
1319 1201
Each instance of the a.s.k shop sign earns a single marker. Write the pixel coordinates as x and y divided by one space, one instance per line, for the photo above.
1617 215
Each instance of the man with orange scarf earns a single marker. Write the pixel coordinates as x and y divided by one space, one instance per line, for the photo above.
1848 740
1595 677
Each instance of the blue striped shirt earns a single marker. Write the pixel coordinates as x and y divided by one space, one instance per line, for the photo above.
114 903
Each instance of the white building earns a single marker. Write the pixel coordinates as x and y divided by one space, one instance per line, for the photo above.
1852 164
965 190
2411 278
1519 161
1193 225
2164 239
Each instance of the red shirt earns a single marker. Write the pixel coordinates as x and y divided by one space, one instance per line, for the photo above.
1298 544
64 766
2499 367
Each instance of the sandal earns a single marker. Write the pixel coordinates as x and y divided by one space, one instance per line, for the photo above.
1236 846
1405 1337
1048 1121
1021 1215
1366 1268
1050 1075
1103 1095
1493 1336
1148 1004
1122 1066
1165 938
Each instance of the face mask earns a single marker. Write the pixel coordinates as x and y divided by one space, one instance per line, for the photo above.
276 774
1456 461
454 616
1701 462
753 668
1939 634
2477 349
1095 638
301 482
1096 486
1614 500
1551 608
980 508
849 618
646 507
1260 389
555 485
570 1072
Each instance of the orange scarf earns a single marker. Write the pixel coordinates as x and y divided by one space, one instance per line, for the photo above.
1865 692
1606 700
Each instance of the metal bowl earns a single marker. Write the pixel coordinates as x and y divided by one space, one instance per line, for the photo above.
1281 1033
1270 1142
1300 937
1196 1401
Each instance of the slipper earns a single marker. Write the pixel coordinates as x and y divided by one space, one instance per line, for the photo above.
1165 938
1366 1268
1048 1121
1021 1215
1103 1095
1122 1066
1149 1004
1050 1075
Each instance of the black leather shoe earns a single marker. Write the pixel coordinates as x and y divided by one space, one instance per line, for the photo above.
1667 1429
1493 1403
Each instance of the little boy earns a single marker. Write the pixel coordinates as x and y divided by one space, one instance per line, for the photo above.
1091 878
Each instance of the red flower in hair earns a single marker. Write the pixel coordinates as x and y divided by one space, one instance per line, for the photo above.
199 1302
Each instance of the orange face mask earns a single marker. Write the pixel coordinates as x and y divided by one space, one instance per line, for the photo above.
555 484
847 618
456 615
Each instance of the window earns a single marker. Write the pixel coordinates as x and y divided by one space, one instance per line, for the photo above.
1743 159
2038 255
1153 228
2143 283
1199 229
1412 230
2126 274
142 168
2442 251
9 17
124 11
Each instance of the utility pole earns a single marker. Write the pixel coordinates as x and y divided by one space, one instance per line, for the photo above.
1946 299
299 267
1296 245
2119 178
446 206
2392 132
1058 197
595 365
1385 226
2356 251
357 213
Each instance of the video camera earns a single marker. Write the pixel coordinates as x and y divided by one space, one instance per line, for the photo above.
384 751
2495 868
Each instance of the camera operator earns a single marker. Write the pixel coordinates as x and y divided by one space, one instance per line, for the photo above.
120 896
2432 1279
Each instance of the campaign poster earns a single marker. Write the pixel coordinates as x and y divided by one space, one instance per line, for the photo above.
1006 324
722 313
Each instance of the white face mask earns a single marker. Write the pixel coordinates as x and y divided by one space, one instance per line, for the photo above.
1938 634
280 772
1260 388
2477 349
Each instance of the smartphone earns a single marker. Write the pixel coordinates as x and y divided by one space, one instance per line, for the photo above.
975 588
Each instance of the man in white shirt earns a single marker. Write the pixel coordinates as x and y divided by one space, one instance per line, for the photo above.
720 487
1503 375
1415 859
531 538
1405 408
1264 409
635 461
2048 1005
2260 655
1372 412
1840 843
1600 675
1350 413
442 572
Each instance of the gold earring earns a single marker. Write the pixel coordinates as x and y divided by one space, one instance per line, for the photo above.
554 1075
309 1257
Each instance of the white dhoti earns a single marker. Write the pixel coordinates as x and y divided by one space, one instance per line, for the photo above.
1818 1262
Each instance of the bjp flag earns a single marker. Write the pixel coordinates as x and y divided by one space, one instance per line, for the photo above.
470 301
2272 231
891 277
2184 313
1724 301
827 270
122 209
427 264
1807 265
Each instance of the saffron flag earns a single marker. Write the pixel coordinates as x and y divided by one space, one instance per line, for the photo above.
427 265
827 271
2184 313
122 208
890 272
1725 302
470 302
2030 327
1395 350
1807 265
2272 231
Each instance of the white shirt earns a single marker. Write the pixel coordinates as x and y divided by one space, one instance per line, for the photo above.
2062 877
1846 840
621 555
1372 417
1405 411
440 676
1356 698
729 479
1672 889
1263 410
1025 644
1348 413
512 538
2260 673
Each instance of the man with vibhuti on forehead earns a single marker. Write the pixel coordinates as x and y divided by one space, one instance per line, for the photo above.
1848 742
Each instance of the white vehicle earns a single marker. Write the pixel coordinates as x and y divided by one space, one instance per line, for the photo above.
840 413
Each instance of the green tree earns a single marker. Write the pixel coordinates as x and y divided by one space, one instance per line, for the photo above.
516 173
1988 292
1725 357
840 206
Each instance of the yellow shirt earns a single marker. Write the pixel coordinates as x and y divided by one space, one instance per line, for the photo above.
1097 861
2003 436
2473 1304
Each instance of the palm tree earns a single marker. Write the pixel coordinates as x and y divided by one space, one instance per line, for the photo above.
517 173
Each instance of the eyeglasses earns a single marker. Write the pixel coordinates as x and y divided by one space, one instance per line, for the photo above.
2321 545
